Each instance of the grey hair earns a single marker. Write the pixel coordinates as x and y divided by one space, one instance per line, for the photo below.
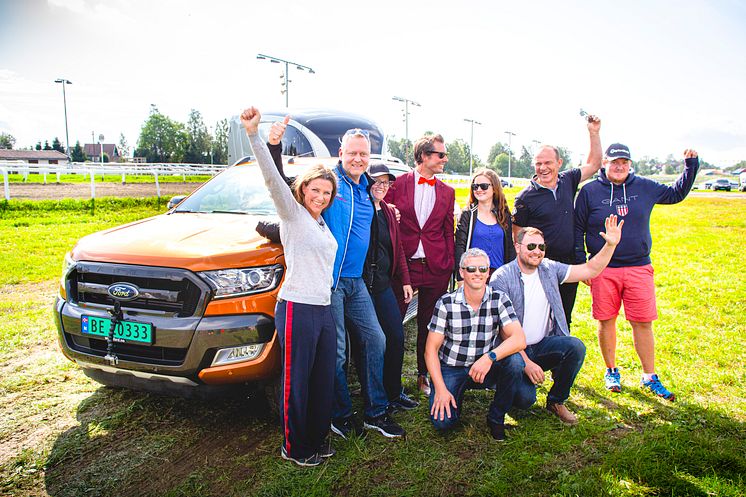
472 252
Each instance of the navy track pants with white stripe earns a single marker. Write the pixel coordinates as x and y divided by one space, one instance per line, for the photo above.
309 344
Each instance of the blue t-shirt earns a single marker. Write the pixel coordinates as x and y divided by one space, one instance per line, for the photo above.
489 237
359 239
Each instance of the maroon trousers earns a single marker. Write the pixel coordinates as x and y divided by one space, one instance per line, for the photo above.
430 288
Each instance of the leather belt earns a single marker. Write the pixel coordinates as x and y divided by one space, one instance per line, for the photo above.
421 260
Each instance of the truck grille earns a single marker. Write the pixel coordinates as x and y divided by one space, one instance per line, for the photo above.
170 290
162 356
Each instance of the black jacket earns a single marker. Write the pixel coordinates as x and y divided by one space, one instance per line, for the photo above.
465 230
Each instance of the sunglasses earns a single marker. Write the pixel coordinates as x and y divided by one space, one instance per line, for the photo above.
441 155
473 269
483 186
358 131
532 246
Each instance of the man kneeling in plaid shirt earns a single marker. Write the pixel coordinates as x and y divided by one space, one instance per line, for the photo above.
464 348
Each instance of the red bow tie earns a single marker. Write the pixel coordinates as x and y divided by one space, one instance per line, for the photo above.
430 181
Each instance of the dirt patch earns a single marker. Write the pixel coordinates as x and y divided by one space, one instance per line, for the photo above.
53 191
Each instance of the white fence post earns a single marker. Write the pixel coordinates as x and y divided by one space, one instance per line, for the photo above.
157 186
5 182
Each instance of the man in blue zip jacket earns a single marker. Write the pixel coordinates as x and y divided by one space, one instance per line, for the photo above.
349 219
629 277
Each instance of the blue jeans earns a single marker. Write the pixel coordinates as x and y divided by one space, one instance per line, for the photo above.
352 301
564 356
506 375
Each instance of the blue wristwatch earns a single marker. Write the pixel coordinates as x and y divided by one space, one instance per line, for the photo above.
491 354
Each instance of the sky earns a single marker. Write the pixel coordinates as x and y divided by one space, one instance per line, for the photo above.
662 75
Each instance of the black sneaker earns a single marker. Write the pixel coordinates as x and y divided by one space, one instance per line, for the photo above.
497 430
403 403
385 425
313 460
326 449
347 427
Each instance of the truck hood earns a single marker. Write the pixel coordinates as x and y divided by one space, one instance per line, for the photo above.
194 241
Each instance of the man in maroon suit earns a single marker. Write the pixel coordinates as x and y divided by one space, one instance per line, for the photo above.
426 227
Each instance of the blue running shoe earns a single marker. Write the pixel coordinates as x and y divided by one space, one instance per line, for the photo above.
655 386
613 380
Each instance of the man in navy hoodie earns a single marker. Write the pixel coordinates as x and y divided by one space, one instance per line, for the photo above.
629 276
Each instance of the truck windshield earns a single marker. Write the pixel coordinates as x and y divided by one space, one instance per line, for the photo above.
239 189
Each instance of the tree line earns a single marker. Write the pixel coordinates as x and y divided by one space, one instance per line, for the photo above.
522 166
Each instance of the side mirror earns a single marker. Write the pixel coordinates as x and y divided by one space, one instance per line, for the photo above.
175 201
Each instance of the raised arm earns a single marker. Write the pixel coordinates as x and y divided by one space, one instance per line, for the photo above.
281 195
592 268
680 189
593 163
276 132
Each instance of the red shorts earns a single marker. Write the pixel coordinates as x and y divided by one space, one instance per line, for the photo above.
633 286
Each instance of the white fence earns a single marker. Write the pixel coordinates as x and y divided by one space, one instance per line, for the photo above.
156 170
92 170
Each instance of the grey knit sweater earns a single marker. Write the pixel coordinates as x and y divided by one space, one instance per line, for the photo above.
309 246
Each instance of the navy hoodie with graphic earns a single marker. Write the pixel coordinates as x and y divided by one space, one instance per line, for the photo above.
633 202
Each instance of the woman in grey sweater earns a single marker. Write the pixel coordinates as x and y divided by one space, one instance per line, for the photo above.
303 316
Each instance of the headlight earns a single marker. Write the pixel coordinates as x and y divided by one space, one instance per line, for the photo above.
68 264
236 282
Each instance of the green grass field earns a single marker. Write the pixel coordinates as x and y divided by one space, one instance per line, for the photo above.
108 178
62 435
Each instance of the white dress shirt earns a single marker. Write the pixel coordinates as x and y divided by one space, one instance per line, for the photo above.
424 201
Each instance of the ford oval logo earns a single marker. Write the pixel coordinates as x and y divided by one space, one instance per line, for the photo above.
123 291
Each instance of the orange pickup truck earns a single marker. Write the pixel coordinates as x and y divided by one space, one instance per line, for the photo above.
183 303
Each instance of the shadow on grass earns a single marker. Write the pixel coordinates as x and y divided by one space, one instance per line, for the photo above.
656 447
133 443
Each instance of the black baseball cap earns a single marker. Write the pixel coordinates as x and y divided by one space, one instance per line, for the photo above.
618 151
379 169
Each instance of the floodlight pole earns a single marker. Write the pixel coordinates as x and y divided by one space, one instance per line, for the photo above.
277 60
510 149
64 103
471 143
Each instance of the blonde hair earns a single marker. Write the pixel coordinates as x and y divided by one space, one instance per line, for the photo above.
316 172
498 197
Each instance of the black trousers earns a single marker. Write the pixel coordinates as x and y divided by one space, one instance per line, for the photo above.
568 291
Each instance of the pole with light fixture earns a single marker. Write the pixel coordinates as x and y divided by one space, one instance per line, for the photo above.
406 121
510 149
277 60
471 143
64 103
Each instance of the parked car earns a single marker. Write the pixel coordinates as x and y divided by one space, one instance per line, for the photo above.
708 184
182 303
721 184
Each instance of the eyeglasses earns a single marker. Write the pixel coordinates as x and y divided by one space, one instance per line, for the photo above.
358 131
381 184
441 155
483 186
473 269
532 246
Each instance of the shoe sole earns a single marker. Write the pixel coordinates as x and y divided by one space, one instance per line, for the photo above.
337 431
296 461
614 389
381 431
672 398
400 407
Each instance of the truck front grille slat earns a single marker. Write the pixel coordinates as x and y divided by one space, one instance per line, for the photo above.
162 356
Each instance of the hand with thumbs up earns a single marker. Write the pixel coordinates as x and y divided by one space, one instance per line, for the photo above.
277 131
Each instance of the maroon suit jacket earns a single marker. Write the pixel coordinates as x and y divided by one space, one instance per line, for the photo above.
437 234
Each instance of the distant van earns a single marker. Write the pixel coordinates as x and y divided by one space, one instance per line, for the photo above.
310 133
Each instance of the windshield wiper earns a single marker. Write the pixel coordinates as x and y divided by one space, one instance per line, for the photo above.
228 212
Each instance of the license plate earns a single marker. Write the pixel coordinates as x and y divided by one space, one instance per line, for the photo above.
125 331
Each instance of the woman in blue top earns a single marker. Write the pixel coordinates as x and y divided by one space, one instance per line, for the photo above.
486 223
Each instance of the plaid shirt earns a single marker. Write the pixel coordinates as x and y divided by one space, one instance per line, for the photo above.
470 334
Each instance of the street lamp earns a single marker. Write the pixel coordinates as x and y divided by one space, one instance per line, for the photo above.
64 102
277 60
510 149
406 121
471 143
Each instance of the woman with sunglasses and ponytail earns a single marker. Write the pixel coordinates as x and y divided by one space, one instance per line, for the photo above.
486 223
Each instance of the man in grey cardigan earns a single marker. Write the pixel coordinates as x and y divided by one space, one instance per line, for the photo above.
532 283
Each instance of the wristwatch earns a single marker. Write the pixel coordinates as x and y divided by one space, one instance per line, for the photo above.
491 354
